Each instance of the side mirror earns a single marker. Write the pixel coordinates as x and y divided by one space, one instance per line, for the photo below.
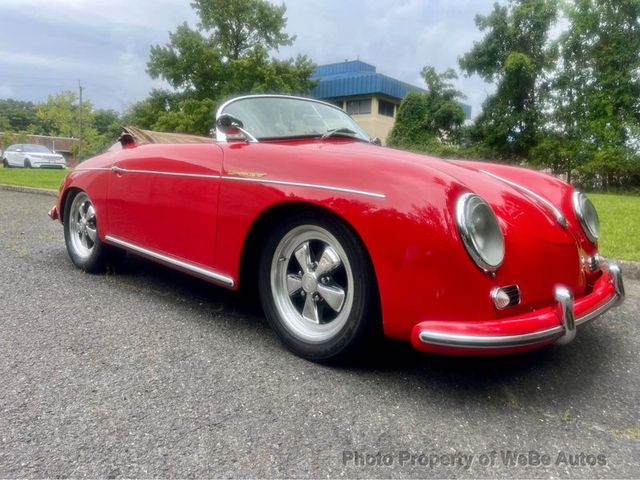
230 125
375 141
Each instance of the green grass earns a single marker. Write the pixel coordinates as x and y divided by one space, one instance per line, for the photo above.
620 224
27 177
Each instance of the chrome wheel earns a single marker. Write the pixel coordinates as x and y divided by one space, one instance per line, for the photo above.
82 226
312 283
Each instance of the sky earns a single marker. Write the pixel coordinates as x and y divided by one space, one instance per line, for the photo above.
47 46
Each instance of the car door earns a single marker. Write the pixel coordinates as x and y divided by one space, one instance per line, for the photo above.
19 156
164 199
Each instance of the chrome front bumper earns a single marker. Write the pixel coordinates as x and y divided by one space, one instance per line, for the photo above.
561 334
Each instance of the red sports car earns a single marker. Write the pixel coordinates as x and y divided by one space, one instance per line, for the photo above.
344 239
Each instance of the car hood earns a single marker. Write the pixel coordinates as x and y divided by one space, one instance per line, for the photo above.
397 171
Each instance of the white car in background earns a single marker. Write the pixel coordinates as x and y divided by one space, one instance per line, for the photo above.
32 156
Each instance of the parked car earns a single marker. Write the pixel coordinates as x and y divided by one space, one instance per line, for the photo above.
32 156
344 239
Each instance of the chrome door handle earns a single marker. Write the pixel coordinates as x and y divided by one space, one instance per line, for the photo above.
118 170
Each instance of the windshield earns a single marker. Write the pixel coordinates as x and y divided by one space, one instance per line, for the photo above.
36 149
286 117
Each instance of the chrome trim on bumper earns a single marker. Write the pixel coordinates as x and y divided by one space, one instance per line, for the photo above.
486 341
209 274
564 297
563 333
618 283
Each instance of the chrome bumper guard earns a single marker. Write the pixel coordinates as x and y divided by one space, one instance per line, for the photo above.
562 334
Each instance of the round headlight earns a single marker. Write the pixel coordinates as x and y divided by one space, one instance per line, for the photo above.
587 215
480 232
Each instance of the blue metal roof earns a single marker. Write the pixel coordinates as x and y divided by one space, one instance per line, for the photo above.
351 78
357 78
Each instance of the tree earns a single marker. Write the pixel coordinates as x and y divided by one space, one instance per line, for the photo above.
227 54
428 121
60 116
243 25
16 115
596 91
517 56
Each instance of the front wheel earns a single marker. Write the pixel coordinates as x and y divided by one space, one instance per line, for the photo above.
27 163
317 288
86 250
5 163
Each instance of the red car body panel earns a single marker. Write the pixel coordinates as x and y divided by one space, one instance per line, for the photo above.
197 203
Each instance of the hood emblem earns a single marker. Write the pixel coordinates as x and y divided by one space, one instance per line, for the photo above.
248 174
560 218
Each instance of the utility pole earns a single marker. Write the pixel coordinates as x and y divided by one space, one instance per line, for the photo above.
80 136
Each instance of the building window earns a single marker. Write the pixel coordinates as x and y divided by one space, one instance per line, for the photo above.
385 108
337 103
359 107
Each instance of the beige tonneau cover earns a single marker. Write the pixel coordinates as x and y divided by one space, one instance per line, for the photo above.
139 136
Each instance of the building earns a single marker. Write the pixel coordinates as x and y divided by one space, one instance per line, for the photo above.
370 97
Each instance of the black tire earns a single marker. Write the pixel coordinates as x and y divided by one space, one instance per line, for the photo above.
27 163
5 163
93 259
358 326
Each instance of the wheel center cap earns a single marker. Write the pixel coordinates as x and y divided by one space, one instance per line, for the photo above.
309 283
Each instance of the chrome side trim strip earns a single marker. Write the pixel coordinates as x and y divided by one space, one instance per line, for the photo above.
123 171
308 185
89 169
560 218
168 174
210 274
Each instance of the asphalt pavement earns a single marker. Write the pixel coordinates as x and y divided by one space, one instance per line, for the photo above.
145 372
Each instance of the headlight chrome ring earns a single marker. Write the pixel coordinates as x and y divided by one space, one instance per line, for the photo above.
587 216
480 232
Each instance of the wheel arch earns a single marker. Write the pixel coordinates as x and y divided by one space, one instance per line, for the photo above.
73 191
251 250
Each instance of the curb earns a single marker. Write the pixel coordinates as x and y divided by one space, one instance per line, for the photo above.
38 191
630 269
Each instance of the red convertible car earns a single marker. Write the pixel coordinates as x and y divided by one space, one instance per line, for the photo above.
344 239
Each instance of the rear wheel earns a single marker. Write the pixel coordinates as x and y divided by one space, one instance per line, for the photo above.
81 236
317 288
27 163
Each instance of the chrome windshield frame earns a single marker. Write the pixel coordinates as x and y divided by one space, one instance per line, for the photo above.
222 138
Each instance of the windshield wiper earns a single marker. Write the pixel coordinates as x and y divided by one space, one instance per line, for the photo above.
338 131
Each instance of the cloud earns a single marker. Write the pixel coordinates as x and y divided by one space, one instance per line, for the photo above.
105 43
148 14
400 37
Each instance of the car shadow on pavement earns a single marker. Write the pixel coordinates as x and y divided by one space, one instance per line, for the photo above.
553 374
